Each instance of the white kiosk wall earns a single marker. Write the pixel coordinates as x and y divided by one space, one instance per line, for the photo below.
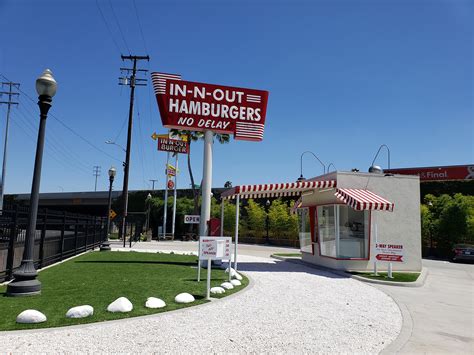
402 226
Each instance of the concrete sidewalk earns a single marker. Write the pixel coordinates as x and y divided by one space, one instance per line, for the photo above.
440 314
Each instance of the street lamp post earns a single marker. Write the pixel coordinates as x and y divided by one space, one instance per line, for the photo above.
25 282
267 205
301 178
106 244
377 169
148 203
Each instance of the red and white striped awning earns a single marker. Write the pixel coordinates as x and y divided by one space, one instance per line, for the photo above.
275 190
360 200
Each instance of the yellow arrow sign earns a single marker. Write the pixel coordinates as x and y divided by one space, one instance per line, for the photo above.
154 136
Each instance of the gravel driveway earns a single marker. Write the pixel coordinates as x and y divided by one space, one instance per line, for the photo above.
288 308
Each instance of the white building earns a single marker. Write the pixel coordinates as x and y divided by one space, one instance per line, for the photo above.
343 215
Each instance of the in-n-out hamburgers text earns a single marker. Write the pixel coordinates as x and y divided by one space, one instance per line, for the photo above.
199 106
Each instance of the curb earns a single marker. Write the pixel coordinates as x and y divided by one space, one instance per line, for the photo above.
406 330
418 283
285 258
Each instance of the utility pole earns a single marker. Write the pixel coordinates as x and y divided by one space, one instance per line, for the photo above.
10 94
96 173
132 81
153 183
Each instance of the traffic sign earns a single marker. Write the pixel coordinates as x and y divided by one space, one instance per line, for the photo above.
170 184
112 214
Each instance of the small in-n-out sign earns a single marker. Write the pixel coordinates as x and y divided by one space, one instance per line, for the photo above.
192 219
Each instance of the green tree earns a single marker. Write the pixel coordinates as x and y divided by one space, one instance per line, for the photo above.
281 223
255 219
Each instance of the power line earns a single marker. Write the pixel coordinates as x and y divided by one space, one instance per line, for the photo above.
119 27
52 143
108 28
69 128
140 26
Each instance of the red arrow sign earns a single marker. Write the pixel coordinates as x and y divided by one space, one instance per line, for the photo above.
388 257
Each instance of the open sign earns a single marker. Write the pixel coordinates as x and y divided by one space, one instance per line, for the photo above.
192 219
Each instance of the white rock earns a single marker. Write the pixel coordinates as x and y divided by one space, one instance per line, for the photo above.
31 316
121 304
227 285
184 298
233 274
236 282
217 290
80 312
153 302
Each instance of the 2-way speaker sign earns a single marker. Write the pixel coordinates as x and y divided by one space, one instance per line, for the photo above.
199 107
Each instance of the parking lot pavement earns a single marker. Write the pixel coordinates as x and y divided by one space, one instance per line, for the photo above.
441 312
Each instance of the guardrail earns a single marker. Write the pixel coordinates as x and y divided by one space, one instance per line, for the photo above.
58 236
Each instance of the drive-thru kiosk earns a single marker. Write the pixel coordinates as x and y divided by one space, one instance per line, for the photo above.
350 220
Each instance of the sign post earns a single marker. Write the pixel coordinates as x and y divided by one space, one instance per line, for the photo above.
213 248
389 253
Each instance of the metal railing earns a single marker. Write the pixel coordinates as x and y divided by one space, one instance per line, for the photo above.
59 235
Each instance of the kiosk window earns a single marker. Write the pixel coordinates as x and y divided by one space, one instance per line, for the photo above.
344 232
304 230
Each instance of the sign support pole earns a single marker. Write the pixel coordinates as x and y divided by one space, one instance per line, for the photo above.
376 241
222 217
208 293
236 241
390 271
206 184
165 206
175 196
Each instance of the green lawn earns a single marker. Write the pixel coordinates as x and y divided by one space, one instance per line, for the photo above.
397 276
98 278
288 254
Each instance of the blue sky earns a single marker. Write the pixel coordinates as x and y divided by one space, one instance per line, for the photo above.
344 77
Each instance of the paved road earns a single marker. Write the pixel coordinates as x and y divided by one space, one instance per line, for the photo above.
441 312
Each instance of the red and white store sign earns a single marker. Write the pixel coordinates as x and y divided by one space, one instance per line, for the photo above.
389 252
196 106
457 172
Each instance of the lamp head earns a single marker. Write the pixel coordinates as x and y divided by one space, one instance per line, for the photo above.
268 203
148 196
301 178
112 172
46 85
375 169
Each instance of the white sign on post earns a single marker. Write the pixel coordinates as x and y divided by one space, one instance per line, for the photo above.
213 248
191 219
389 252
